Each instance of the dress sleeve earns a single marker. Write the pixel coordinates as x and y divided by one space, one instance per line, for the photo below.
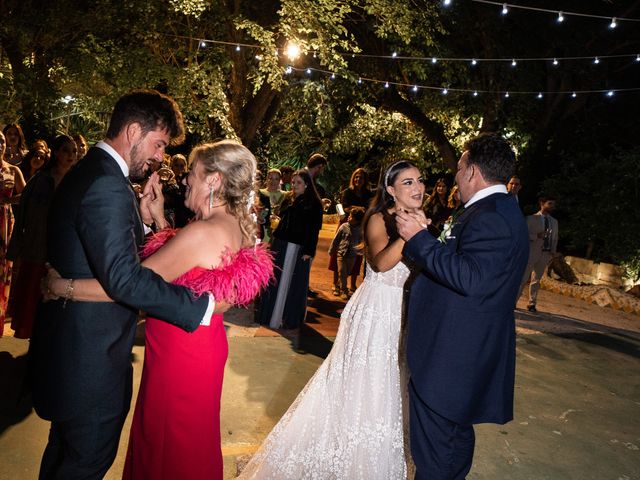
238 280
156 241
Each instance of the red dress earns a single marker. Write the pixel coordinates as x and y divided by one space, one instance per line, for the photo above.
175 432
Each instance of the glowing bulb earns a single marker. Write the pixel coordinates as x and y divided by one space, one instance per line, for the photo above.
474 61
237 48
434 60
560 17
505 10
506 95
415 88
333 76
386 84
638 58
446 3
573 95
475 94
203 44
359 80
610 93
288 70
539 95
555 61
308 71
596 60
613 23
445 91
292 50
394 54
514 63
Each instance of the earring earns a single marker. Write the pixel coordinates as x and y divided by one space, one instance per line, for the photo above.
210 198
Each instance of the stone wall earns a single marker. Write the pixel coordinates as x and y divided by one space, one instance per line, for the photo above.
595 273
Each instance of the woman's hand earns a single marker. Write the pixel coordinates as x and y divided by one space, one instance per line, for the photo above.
306 257
50 284
152 202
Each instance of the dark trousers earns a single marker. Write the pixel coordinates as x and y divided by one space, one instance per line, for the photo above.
85 446
441 449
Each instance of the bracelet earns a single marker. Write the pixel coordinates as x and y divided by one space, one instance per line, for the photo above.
68 293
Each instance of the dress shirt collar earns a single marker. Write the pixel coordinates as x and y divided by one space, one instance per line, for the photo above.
116 156
485 192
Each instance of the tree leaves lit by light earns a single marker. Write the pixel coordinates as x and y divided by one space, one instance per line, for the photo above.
193 8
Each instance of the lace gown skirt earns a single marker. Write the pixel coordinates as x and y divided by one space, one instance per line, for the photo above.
347 422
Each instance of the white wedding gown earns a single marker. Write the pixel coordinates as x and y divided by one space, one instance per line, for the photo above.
347 422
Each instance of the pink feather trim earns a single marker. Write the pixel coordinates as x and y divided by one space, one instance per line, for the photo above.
237 280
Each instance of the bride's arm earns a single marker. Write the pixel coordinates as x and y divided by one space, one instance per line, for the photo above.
179 255
382 255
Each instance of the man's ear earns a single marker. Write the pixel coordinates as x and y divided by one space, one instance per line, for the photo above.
133 131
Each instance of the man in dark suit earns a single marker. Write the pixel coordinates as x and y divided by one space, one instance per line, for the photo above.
461 329
81 352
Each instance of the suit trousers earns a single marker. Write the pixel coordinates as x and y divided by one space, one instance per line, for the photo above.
85 446
441 449
535 269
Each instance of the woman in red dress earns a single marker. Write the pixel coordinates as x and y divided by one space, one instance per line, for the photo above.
176 424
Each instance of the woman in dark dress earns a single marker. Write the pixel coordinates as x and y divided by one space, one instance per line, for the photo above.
284 304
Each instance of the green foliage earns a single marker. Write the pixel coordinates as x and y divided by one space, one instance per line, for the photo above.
598 199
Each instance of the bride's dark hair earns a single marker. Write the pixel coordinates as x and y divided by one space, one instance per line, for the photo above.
383 201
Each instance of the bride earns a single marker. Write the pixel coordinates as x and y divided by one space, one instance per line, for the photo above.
347 423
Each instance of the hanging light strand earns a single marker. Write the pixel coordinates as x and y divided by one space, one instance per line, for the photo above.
560 13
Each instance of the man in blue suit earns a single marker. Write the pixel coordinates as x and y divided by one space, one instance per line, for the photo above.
461 328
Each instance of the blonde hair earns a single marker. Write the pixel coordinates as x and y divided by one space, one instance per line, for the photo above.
237 168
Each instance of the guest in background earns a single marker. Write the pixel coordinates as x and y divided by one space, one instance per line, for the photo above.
276 196
28 245
180 168
82 145
357 194
454 201
10 190
16 145
543 244
346 246
315 166
436 207
284 304
42 145
287 172
514 185
34 161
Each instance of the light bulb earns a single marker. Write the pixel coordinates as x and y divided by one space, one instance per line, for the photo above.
506 95
610 93
560 17
613 23
333 76
445 91
573 95
475 94
505 10
474 61
596 60
292 50
203 44
415 88
308 71
434 59
446 3
237 48
386 84
514 63
394 54
539 95
555 61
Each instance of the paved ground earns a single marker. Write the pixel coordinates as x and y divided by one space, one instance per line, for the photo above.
577 393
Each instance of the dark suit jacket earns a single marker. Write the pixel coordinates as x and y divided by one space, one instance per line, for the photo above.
81 352
461 337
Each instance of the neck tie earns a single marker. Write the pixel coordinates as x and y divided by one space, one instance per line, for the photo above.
546 244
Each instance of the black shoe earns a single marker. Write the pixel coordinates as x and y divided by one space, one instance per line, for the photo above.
532 308
312 293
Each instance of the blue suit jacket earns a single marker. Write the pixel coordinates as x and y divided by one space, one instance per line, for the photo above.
461 334
81 352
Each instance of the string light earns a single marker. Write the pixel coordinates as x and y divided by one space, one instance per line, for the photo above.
446 3
292 50
203 44
555 61
514 63
540 95
333 76
474 61
610 93
308 71
561 14
473 92
394 54
434 59
445 91
638 58
237 48
596 60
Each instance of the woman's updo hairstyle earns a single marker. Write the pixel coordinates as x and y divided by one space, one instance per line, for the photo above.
237 168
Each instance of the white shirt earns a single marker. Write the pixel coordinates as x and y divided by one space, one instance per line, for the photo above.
485 192
206 320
